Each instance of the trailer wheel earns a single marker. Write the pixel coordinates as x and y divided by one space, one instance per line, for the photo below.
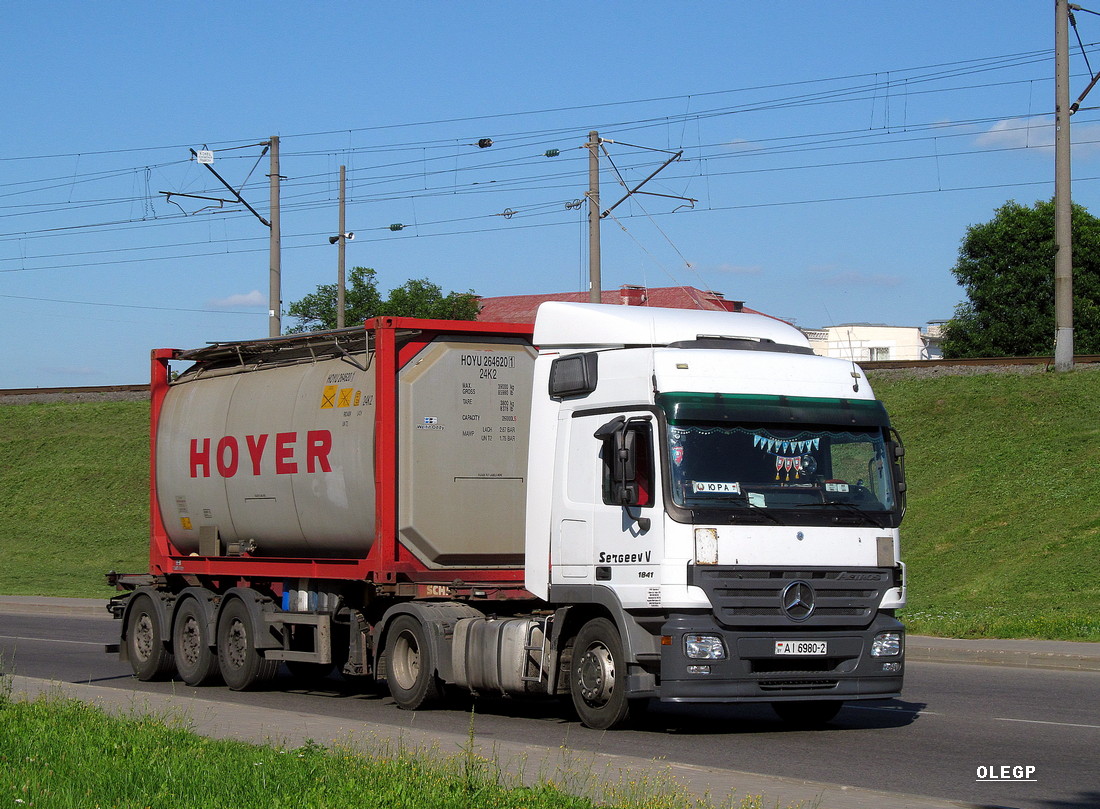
149 655
597 677
808 714
196 660
410 669
240 662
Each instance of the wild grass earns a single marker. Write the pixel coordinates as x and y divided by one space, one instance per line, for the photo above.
58 753
74 496
1003 524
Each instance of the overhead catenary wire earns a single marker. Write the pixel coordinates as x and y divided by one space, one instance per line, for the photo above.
315 244
385 183
712 157
567 181
132 305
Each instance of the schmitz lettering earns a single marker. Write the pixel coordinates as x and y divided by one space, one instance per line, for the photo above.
228 456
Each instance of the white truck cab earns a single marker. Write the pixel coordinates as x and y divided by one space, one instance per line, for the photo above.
730 498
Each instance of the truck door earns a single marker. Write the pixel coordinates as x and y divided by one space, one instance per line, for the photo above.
576 461
609 525
627 522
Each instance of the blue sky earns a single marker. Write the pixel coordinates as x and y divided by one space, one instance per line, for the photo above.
836 153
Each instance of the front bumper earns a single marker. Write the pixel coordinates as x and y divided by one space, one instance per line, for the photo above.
752 671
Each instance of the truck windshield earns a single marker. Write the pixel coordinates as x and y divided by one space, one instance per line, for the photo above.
722 458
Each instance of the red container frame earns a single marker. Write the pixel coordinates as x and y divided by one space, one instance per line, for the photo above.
388 562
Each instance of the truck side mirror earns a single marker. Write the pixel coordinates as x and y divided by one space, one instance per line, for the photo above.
624 473
620 456
574 375
897 449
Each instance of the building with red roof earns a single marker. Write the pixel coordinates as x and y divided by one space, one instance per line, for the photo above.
521 308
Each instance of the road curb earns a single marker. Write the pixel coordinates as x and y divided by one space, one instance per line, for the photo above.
575 771
1032 654
46 605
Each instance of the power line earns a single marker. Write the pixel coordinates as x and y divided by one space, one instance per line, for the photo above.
945 69
309 192
131 306
474 231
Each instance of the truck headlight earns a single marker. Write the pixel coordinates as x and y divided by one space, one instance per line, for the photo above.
704 647
886 644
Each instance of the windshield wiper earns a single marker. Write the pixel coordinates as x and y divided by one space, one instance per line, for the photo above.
740 501
852 507
763 512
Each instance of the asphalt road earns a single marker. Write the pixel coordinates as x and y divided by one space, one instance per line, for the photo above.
954 724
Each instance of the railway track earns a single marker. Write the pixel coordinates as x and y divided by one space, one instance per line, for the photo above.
884 365
1082 359
75 389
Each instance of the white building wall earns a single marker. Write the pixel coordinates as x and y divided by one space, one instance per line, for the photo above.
866 343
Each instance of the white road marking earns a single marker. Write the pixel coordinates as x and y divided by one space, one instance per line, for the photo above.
1042 722
52 640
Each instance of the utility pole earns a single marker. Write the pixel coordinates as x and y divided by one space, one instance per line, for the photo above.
274 300
340 256
1063 204
595 291
206 158
595 215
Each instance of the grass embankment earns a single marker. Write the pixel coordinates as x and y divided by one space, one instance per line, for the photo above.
1001 534
63 753
1003 528
74 496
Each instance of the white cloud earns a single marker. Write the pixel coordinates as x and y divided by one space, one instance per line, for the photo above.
249 300
1019 133
741 145
1016 133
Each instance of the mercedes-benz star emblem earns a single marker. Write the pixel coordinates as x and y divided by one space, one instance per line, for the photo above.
798 600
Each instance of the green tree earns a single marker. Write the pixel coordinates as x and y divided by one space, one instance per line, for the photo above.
419 297
1006 266
415 298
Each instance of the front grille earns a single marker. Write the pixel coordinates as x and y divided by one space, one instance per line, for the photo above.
753 596
766 665
798 685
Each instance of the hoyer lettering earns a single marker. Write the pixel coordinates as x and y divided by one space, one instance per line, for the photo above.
230 454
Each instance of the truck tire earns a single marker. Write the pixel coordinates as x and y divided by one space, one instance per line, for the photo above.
241 664
196 660
597 677
811 713
410 669
149 655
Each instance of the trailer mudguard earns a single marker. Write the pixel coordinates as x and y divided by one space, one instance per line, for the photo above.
257 605
162 604
438 620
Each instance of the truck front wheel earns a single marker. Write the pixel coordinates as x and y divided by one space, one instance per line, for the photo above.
242 665
597 679
149 655
410 669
